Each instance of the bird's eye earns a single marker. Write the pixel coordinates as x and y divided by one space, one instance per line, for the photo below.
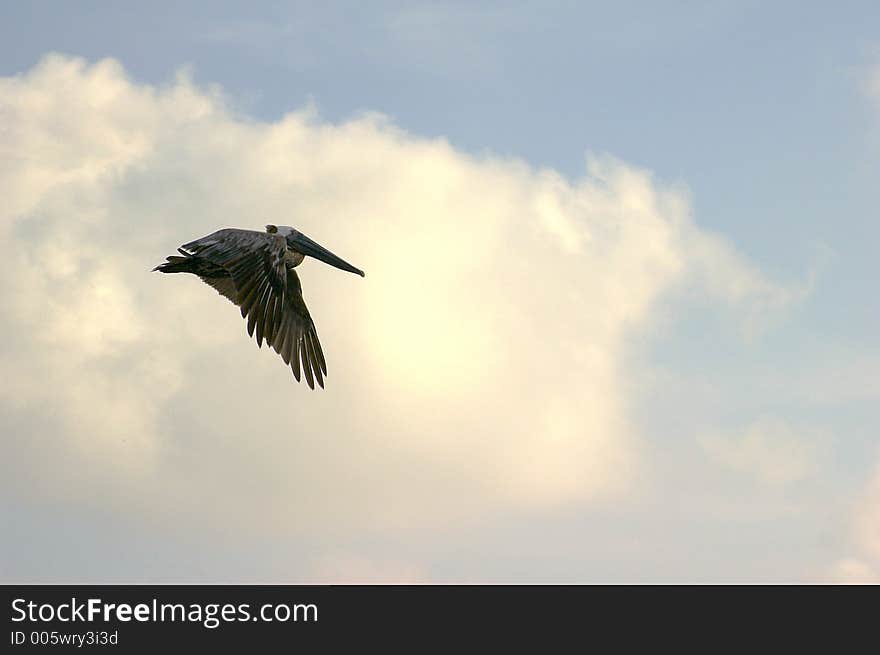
271 229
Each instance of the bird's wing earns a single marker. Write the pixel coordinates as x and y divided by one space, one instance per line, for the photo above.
268 293
255 263
224 286
296 339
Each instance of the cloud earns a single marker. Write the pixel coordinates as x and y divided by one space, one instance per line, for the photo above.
870 78
868 523
769 449
478 367
853 571
343 568
862 563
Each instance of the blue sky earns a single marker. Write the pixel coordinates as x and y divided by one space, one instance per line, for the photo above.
760 116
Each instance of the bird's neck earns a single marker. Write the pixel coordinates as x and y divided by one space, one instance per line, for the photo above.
293 258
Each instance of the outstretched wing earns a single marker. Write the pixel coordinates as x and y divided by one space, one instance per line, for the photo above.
296 339
268 294
224 286
255 263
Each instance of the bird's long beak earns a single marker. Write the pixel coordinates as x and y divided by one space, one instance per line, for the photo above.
301 243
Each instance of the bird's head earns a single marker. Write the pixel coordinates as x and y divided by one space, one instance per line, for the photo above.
299 242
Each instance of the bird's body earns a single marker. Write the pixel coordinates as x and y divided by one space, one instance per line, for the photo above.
255 271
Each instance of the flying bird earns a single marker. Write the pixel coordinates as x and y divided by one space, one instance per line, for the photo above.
255 271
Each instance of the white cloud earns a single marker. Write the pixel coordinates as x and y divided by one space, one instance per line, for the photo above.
862 563
477 367
343 568
853 571
769 449
868 518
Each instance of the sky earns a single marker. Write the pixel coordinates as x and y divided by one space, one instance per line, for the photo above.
619 320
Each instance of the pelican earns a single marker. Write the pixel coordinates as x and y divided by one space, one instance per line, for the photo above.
255 271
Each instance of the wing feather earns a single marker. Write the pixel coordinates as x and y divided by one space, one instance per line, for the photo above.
294 359
316 367
224 286
296 339
268 293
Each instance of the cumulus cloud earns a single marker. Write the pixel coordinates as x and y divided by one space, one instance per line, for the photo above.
862 564
769 449
342 568
477 368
